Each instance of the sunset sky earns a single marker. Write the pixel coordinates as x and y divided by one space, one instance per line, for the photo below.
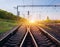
37 12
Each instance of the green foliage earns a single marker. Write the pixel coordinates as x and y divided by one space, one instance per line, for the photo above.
8 21
8 15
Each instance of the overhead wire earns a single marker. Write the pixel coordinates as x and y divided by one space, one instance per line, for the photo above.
54 8
50 3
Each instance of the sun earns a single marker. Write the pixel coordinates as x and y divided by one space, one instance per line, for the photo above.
31 21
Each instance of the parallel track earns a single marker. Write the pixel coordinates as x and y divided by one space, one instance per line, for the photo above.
30 36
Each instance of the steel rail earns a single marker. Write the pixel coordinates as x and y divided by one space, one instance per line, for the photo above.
24 39
36 45
8 33
28 31
50 36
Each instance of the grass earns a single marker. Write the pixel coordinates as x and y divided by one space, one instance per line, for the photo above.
6 25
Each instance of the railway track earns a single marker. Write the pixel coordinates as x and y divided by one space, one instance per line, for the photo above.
54 30
15 39
30 36
42 39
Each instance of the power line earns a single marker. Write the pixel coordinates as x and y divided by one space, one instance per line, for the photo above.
38 5
35 6
52 1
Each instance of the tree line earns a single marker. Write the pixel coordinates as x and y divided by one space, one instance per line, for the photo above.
8 15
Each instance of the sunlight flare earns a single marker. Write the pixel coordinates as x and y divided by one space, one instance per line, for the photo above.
32 21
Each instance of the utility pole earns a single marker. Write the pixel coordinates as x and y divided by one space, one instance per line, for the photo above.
17 10
17 13
28 14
